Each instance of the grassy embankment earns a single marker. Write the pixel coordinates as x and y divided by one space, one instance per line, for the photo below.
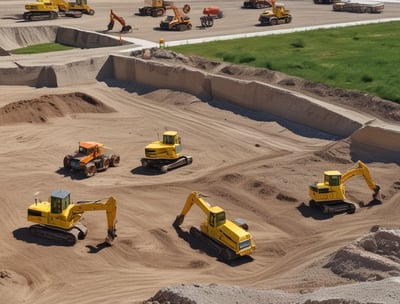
42 48
364 58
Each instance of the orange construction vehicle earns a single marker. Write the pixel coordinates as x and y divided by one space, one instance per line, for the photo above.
210 13
179 22
90 158
113 17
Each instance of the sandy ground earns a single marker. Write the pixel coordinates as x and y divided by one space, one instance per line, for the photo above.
255 167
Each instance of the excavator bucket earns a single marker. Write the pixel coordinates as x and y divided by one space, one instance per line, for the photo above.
178 221
377 194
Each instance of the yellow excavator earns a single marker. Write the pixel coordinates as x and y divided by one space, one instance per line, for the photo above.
50 9
59 218
330 195
230 239
166 154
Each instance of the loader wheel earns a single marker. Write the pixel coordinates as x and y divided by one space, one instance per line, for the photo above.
114 161
273 21
106 163
164 169
91 12
186 8
67 162
90 170
288 19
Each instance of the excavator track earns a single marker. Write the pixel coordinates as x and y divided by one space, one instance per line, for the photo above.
67 237
334 207
223 253
37 16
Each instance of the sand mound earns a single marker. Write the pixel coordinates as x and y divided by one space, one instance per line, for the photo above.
374 256
384 291
41 109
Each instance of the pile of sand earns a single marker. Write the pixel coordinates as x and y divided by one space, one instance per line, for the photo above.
375 256
48 106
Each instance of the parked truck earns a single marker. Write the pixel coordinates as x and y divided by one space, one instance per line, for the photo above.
359 7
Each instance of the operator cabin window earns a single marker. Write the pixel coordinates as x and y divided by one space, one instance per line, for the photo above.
335 180
212 219
56 205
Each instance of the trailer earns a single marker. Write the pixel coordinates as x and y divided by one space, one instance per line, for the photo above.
359 7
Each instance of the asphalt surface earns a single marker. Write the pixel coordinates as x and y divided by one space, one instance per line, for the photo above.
236 21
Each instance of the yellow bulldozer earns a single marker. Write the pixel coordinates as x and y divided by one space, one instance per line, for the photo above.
167 154
330 195
51 9
59 218
230 239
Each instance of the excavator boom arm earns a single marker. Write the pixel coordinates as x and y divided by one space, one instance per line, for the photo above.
109 205
362 169
193 198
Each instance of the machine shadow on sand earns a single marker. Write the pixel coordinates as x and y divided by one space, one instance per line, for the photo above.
23 234
316 214
71 174
203 248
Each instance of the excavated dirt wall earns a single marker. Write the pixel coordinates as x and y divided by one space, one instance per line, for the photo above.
253 95
19 37
249 94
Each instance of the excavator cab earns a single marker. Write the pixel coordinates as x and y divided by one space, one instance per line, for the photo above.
217 217
59 201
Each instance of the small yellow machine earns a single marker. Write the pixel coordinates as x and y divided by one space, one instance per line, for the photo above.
278 14
166 154
59 218
230 238
330 195
50 9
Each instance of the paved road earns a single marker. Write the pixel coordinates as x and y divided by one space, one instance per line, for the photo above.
236 20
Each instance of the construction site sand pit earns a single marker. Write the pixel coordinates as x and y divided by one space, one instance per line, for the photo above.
255 156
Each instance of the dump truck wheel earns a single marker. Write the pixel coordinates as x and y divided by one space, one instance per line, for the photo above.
91 12
186 8
288 19
115 159
67 162
90 170
106 163
273 21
